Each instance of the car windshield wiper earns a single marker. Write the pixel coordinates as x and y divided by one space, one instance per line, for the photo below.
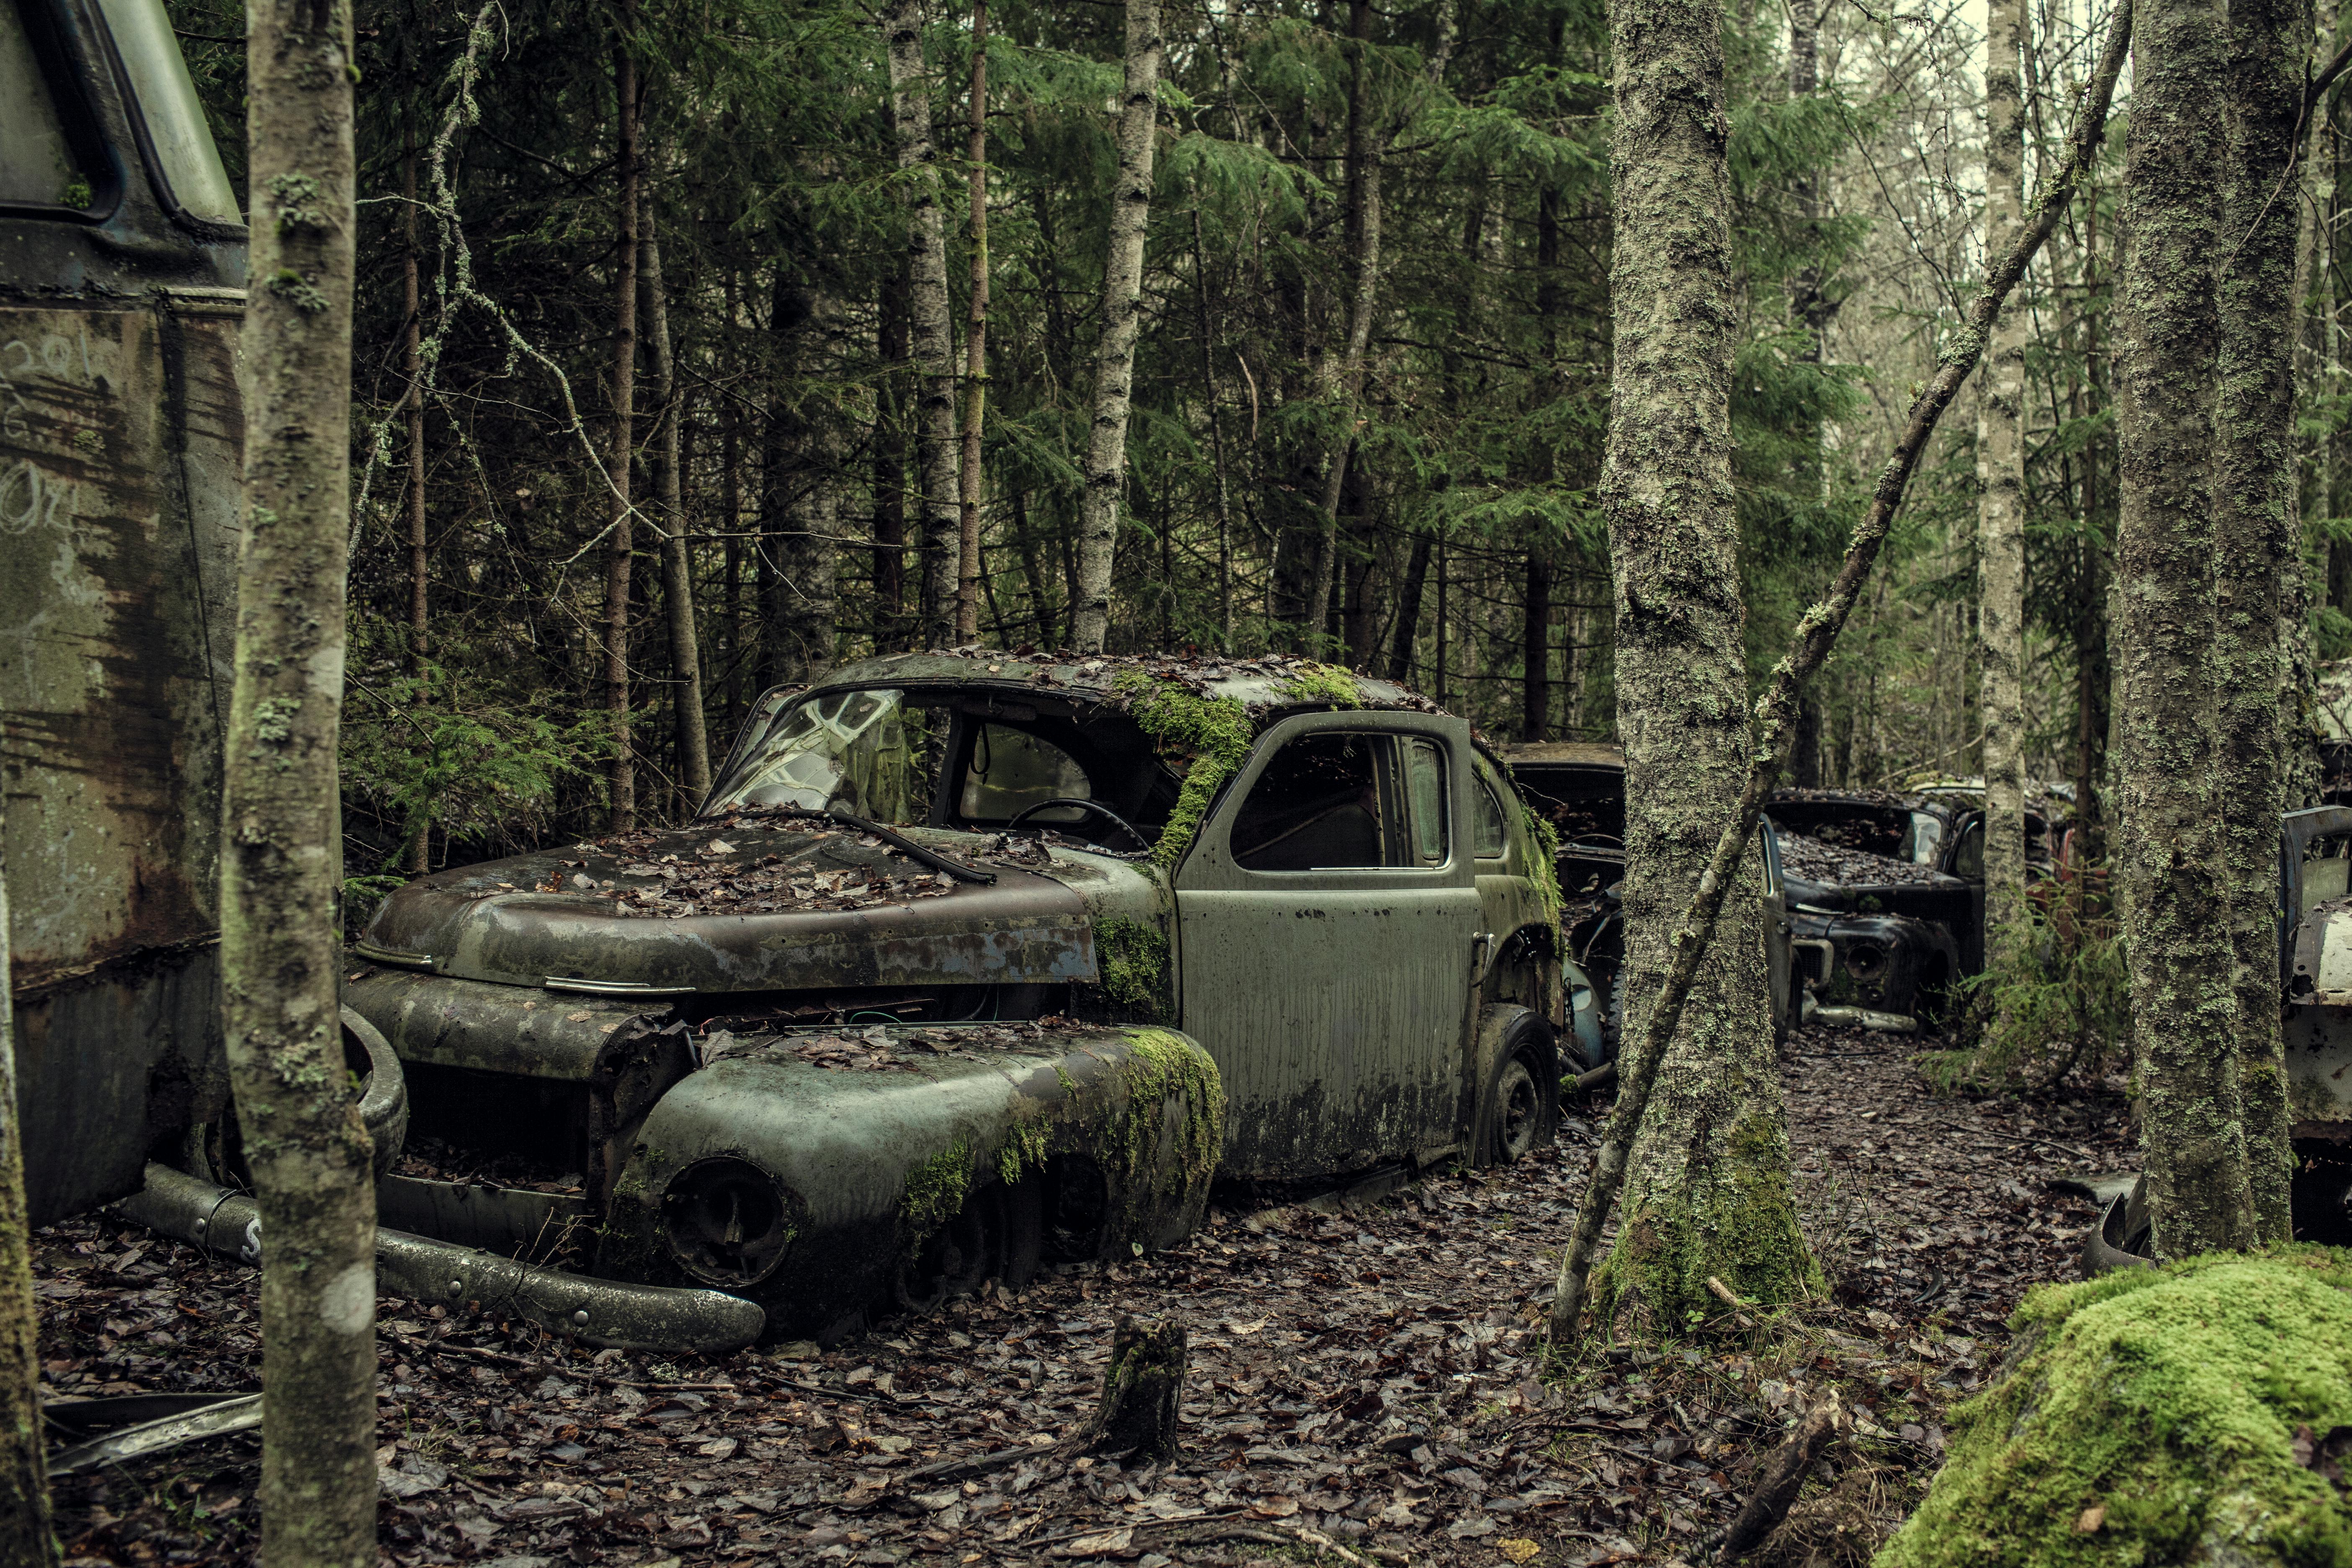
908 847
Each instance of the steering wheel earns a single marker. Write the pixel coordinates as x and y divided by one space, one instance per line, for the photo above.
1095 806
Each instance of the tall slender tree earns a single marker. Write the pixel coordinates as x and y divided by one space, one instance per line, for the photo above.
1346 372
930 332
688 726
975 338
26 1536
2168 856
281 958
412 363
621 777
2000 492
1707 1187
2255 553
1130 218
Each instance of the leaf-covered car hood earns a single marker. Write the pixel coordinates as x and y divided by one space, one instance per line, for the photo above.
746 903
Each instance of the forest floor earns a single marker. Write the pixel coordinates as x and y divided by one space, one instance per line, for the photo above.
1366 1382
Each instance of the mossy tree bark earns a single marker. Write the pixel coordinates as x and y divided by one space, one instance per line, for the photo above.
1707 1186
2168 856
678 564
279 920
621 774
2000 494
1143 1390
24 1534
1131 215
930 335
2254 554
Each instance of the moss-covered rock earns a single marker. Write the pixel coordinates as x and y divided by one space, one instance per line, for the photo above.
2156 1417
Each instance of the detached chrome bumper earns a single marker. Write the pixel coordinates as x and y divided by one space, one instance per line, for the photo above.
599 1311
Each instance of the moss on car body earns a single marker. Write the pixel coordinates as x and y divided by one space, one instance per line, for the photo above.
1210 735
2155 1416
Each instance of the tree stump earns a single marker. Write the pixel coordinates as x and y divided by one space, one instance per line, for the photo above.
1143 1390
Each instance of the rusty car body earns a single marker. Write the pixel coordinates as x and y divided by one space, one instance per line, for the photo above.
972 961
121 274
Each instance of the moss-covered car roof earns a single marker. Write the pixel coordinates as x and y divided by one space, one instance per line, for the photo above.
1264 685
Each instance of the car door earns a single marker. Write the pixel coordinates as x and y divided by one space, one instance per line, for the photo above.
1779 957
1327 919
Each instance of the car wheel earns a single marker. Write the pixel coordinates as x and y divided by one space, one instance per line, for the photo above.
1519 1118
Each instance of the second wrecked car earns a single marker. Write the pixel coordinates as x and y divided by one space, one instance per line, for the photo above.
971 962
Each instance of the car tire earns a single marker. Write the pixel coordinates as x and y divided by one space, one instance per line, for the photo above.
1521 1110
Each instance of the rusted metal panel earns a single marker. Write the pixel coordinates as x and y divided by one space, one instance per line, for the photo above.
1337 1003
119 450
489 923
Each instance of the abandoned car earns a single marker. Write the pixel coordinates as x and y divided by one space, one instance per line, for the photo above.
972 962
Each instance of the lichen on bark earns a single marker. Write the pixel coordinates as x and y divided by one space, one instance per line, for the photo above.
2169 857
1707 1187
2254 555
280 960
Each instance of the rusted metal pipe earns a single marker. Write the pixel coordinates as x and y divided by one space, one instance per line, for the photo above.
598 1311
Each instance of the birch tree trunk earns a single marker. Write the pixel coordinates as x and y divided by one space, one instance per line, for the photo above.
1363 237
932 348
622 773
24 1535
2254 553
1707 1186
670 495
2168 856
975 340
1130 216
280 957
2000 495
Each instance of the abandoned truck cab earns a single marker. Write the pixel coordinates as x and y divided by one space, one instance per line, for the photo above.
971 962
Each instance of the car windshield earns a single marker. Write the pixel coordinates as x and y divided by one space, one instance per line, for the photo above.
872 753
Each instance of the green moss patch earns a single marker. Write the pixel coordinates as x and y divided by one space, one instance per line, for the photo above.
1735 1220
935 1190
1133 958
1162 1065
1209 737
1326 683
2156 1417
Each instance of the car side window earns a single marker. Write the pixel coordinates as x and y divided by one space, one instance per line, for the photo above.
1012 770
1424 780
1319 805
1493 834
1967 856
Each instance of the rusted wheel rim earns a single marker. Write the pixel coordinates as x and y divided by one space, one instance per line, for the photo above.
1519 1110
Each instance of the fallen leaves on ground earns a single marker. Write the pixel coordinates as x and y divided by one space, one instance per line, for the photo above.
1367 1378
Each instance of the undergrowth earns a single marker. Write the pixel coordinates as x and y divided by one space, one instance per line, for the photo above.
2053 996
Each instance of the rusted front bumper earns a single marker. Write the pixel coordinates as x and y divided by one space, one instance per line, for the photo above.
1893 967
599 1312
820 1173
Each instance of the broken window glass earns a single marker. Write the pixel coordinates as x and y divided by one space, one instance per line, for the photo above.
1494 834
1424 763
872 753
1316 807
1012 770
